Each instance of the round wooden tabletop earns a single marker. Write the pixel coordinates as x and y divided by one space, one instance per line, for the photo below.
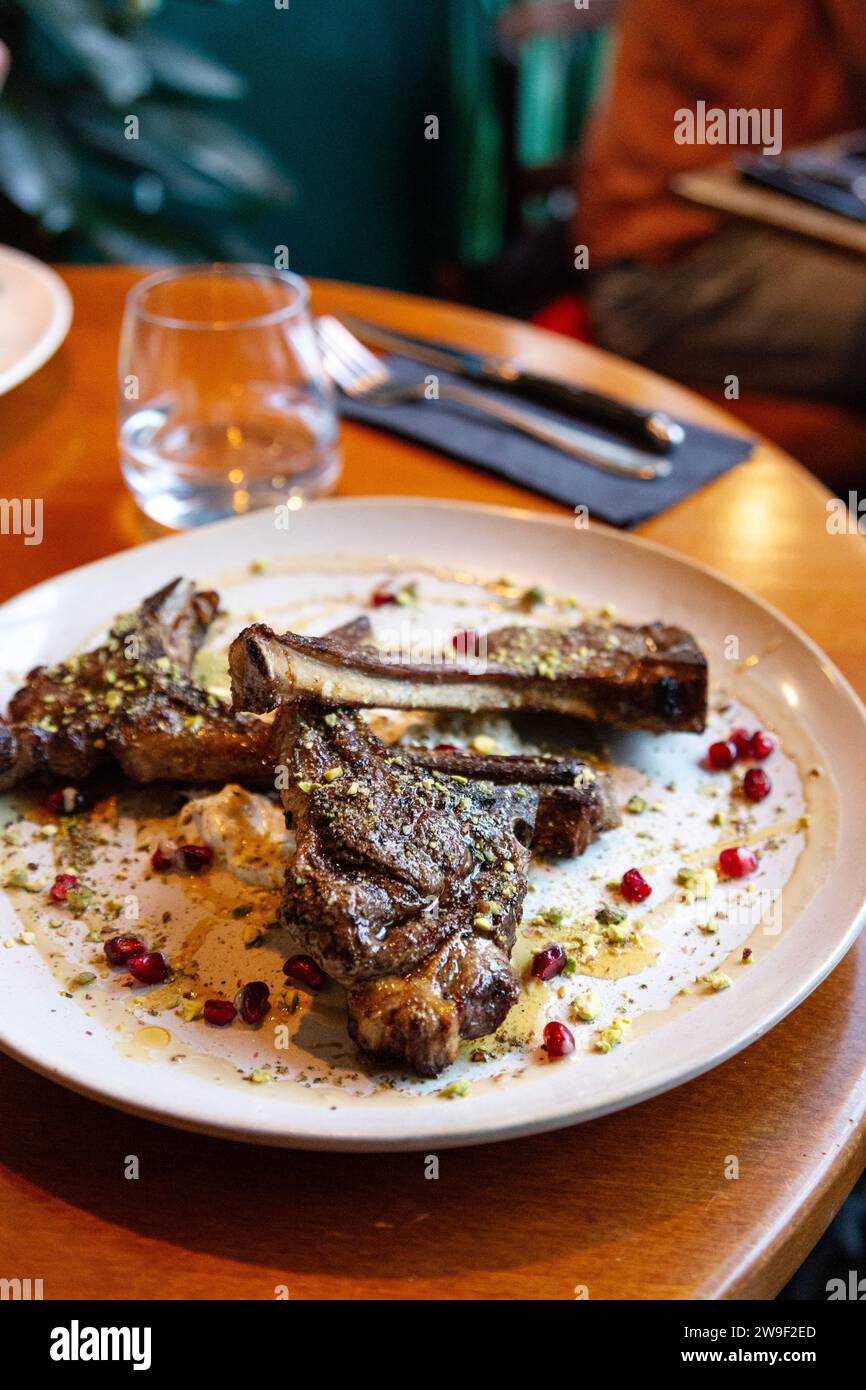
636 1205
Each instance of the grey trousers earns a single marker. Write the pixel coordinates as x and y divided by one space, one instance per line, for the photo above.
782 315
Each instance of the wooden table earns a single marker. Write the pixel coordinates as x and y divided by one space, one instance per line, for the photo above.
633 1206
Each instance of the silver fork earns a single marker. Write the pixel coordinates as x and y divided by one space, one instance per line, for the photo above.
364 377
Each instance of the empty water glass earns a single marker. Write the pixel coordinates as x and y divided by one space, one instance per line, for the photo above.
224 403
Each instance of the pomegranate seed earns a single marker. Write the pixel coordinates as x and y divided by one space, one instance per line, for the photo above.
62 886
465 643
445 747
219 1012
380 597
549 962
304 971
721 756
163 858
65 801
119 949
742 741
756 784
253 1001
196 857
558 1040
761 744
737 863
149 967
634 886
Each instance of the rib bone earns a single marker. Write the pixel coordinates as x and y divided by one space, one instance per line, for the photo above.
648 677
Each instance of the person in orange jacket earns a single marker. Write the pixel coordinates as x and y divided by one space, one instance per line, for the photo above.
687 290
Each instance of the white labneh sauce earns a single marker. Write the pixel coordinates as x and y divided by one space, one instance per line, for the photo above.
246 832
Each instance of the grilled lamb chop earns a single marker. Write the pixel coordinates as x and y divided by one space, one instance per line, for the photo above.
211 746
389 860
576 803
133 701
64 719
466 986
647 677
464 989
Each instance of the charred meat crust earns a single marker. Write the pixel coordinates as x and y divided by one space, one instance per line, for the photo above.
390 861
464 989
576 803
409 1003
133 701
65 717
651 676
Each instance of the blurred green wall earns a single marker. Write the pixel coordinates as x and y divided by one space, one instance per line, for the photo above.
339 89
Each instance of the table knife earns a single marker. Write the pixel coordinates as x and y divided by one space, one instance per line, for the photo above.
653 429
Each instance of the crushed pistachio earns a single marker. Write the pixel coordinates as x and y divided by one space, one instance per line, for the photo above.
617 934
191 1009
79 899
483 743
332 773
699 883
261 1076
608 916
636 805
717 980
612 1036
305 787
19 878
455 1091
586 1006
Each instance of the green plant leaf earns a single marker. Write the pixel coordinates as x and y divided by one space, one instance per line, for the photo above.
184 69
180 142
137 239
113 64
37 166
213 147
102 131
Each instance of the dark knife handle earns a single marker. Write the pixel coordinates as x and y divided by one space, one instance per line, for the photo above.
653 429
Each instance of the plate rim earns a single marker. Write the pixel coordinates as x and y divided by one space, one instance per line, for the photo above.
558 1114
53 337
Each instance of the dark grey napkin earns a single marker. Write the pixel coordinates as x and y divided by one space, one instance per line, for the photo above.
472 437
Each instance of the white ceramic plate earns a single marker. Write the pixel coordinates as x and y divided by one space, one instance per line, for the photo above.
814 881
35 314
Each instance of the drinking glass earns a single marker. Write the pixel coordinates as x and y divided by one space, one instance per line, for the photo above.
224 403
